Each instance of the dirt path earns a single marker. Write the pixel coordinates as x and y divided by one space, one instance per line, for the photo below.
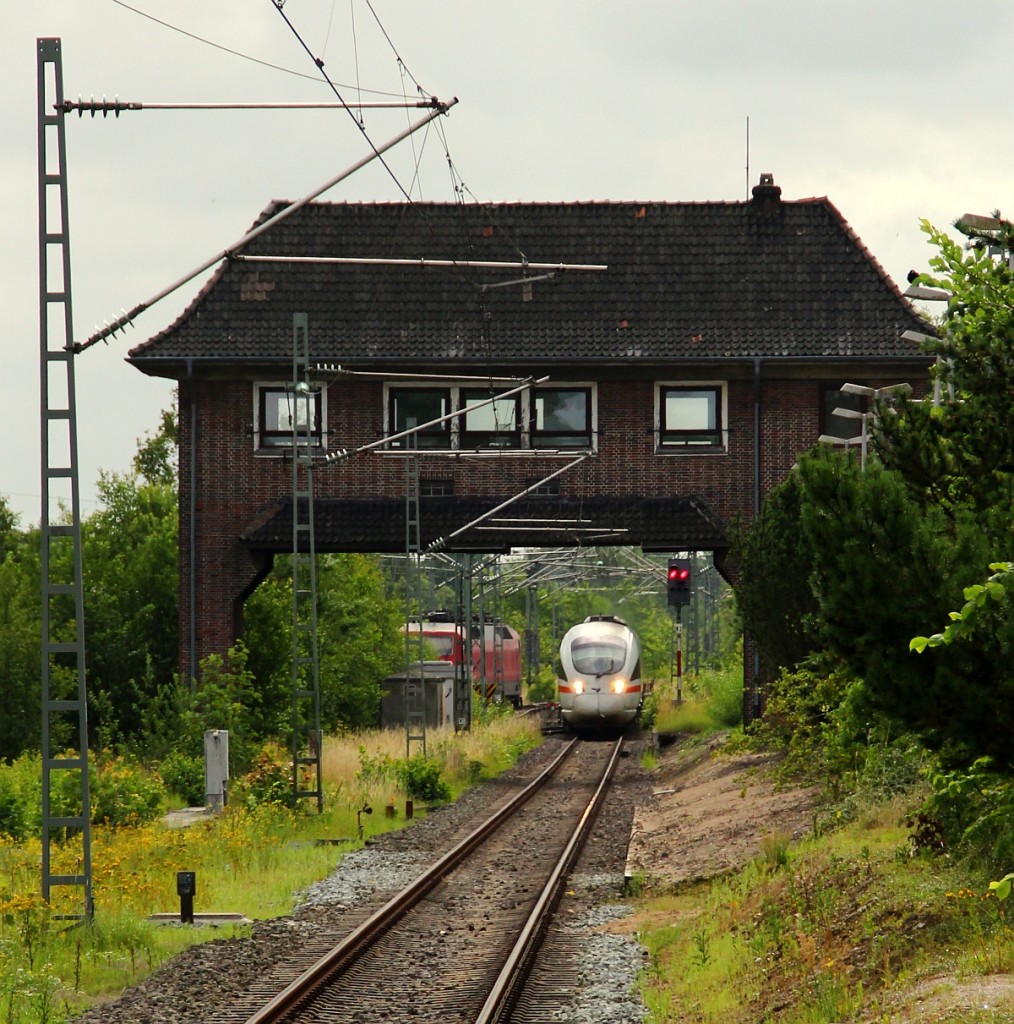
710 813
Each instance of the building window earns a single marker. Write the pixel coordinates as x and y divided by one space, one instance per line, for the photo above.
844 427
691 416
543 488
279 411
487 424
410 407
561 418
544 418
436 488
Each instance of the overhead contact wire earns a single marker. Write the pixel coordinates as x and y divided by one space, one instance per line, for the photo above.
226 49
334 88
485 314
394 49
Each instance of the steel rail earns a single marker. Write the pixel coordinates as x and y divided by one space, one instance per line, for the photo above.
508 984
370 930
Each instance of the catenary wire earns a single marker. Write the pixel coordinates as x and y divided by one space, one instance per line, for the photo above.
226 49
355 49
485 315
394 49
330 21
320 65
333 86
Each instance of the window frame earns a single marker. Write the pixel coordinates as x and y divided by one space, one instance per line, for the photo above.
535 433
830 397
275 440
444 432
476 439
524 437
668 440
436 487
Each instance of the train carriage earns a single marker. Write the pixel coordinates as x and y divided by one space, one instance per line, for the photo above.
496 661
599 674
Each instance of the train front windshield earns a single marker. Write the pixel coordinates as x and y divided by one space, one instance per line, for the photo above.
598 657
441 644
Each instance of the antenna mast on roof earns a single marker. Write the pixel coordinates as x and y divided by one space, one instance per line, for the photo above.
747 156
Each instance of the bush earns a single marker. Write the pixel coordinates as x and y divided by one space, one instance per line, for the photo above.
543 687
374 769
121 792
974 811
269 781
649 710
126 792
485 712
224 697
809 715
13 811
724 689
420 778
183 776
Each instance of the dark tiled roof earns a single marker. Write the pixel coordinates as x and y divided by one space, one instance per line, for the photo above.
378 524
714 280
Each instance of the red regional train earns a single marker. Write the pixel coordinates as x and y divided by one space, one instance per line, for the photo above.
497 662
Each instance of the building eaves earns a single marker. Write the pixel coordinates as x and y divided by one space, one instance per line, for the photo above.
685 281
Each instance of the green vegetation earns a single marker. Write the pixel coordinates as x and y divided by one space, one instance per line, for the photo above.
885 641
848 923
886 552
841 928
712 700
253 859
137 705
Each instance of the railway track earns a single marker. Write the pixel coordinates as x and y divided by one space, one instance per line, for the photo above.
456 944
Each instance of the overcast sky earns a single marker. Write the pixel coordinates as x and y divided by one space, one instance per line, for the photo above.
894 111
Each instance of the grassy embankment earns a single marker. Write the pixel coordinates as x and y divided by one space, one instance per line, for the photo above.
253 860
867 919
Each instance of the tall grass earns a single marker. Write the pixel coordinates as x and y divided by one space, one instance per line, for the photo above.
712 701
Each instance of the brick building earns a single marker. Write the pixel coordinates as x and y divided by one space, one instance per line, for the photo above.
692 371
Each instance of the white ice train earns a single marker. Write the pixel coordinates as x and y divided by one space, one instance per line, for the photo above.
599 674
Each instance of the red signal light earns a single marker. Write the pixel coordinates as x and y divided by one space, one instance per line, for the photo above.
678 581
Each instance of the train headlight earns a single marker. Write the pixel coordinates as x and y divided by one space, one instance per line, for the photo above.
618 685
579 686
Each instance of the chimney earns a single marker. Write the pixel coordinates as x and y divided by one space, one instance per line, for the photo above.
767 195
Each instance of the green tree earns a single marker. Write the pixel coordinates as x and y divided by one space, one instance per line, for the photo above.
20 643
224 696
130 576
156 459
883 567
359 639
958 453
9 533
888 549
267 638
773 591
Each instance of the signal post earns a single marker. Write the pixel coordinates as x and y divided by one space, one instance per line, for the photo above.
678 591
